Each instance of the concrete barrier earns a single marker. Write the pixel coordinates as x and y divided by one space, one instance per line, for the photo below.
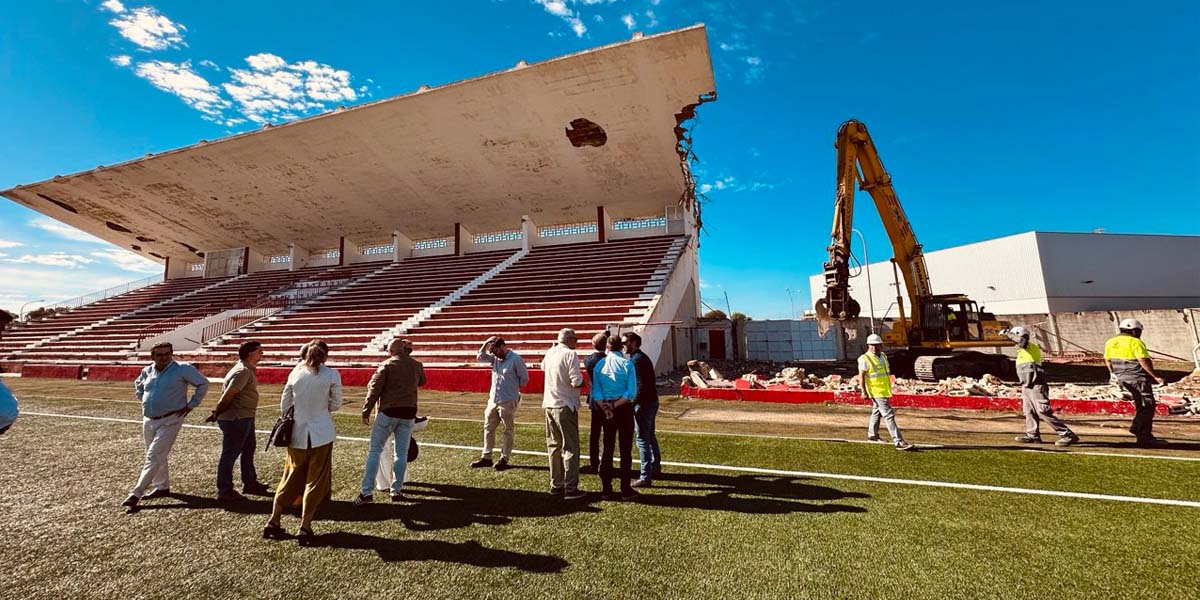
52 371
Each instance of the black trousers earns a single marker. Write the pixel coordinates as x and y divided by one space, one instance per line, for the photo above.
620 427
594 430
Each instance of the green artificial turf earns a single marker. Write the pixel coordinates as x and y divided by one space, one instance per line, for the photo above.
699 533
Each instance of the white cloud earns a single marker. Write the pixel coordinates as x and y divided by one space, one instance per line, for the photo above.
180 80
653 19
53 259
121 60
560 9
39 285
730 183
265 61
210 64
273 89
753 60
629 21
128 261
113 6
9 244
65 231
147 28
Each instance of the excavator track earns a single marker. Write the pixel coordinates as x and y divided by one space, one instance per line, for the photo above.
962 364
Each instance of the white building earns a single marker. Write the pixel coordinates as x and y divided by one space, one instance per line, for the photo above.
1044 272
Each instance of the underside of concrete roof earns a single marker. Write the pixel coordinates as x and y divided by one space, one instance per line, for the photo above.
551 140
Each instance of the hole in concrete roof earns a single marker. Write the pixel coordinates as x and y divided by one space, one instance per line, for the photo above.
157 255
136 247
60 203
583 132
116 227
142 238
190 248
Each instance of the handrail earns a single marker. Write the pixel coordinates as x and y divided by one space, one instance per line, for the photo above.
262 310
107 293
170 323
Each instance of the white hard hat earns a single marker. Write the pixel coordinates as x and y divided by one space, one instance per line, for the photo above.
874 340
1018 332
1130 324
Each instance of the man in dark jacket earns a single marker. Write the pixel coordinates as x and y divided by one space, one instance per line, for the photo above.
589 371
394 386
645 409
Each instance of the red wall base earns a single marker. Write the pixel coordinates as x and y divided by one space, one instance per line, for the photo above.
790 396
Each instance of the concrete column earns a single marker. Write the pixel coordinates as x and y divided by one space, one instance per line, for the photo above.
177 269
528 232
603 224
298 256
464 240
253 262
402 246
350 252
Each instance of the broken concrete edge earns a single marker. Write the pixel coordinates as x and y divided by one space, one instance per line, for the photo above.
942 402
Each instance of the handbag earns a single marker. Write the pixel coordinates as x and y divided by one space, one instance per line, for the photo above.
281 433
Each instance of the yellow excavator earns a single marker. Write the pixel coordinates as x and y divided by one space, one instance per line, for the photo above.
932 342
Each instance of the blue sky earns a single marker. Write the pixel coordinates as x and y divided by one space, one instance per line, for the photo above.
993 118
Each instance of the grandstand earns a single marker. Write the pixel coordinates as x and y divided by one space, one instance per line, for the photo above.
549 195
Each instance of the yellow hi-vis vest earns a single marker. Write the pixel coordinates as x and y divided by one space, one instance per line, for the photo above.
1031 353
877 377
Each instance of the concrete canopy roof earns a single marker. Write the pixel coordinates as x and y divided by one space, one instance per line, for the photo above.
482 152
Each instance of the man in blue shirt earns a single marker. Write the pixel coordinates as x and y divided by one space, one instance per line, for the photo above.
8 409
162 390
614 387
509 375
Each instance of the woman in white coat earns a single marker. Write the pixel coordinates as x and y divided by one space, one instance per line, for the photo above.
314 391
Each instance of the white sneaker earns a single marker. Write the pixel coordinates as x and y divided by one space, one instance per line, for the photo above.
905 446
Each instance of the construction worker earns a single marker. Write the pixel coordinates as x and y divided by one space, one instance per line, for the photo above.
876 378
1129 362
1035 393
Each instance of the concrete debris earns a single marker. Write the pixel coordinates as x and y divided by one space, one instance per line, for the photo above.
703 375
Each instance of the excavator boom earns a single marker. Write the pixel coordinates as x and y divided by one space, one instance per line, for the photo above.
859 166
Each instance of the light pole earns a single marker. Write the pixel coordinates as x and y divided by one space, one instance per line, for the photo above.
792 302
21 311
867 268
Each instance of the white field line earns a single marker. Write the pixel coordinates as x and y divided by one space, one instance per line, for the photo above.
745 435
756 470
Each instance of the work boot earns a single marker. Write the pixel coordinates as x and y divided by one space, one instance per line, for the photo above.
482 463
1029 439
1067 440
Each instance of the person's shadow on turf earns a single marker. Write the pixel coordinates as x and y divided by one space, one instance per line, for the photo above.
468 553
750 494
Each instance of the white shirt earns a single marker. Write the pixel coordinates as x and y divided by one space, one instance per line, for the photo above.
316 396
563 378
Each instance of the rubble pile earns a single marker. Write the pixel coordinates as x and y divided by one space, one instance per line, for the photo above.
758 376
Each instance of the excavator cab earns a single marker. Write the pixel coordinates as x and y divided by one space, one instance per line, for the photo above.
949 318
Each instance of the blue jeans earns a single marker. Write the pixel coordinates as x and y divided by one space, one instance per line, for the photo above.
647 442
384 428
237 441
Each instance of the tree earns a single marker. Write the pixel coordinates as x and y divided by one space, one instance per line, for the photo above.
714 315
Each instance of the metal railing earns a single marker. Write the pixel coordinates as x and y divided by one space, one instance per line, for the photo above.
172 323
107 293
262 310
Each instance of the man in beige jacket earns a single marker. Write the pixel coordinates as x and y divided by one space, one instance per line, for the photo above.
394 387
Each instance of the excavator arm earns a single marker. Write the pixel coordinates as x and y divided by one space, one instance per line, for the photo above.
858 165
